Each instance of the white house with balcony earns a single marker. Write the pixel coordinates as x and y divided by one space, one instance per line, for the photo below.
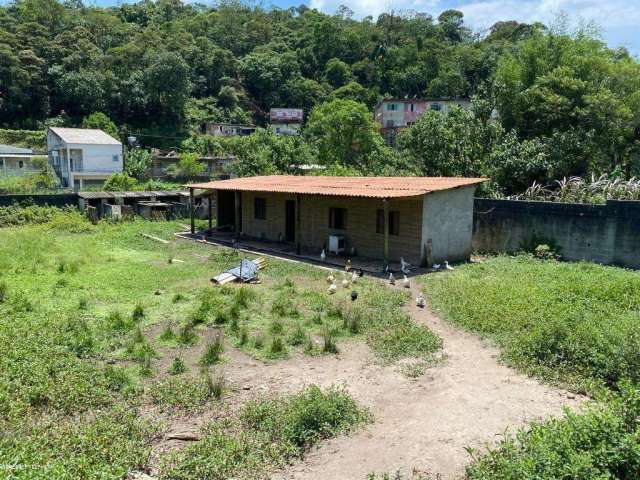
83 156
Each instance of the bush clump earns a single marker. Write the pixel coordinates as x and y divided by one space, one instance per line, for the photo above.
602 443
266 434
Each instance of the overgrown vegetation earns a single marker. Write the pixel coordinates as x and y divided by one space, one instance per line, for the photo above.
599 443
575 324
266 434
579 190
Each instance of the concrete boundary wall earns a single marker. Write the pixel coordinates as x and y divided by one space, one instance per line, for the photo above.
607 234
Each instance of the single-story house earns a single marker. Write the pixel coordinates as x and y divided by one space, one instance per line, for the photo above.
83 156
423 219
17 161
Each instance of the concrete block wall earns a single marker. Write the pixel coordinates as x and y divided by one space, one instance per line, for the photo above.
361 223
607 234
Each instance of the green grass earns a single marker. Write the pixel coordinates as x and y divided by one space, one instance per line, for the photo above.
78 303
575 323
597 444
266 434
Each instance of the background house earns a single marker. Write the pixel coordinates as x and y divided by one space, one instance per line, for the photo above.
394 114
82 157
16 161
215 166
423 219
286 121
226 129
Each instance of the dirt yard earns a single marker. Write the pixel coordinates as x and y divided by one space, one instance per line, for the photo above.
468 399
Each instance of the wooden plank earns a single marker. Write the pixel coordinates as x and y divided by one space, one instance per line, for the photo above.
151 237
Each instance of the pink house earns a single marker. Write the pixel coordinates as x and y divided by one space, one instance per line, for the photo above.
395 113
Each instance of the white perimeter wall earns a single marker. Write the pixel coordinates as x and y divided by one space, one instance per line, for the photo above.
447 219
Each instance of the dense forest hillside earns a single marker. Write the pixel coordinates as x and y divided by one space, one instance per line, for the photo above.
567 104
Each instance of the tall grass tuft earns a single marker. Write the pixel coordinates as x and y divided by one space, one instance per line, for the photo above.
213 351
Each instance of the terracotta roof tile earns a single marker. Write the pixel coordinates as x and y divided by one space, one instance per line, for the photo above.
375 187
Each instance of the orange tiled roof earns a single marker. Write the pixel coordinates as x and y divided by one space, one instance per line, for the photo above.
375 187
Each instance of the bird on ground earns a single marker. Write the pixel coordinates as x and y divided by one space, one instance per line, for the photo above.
323 256
404 266
331 279
447 266
354 295
345 282
354 276
392 279
406 283
420 301
333 287
347 266
436 266
360 272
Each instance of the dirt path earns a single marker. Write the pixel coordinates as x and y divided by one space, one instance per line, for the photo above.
426 423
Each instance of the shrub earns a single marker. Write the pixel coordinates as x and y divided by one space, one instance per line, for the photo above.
180 392
167 334
284 306
213 351
4 288
83 304
187 335
602 442
178 297
277 348
276 327
116 322
258 342
215 384
267 433
328 344
243 336
298 336
138 313
177 367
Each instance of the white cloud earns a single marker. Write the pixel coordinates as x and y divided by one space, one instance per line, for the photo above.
613 16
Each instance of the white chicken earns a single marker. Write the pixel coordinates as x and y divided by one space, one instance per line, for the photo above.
404 266
392 279
323 256
420 301
436 266
406 283
347 266
333 288
345 282
354 277
447 266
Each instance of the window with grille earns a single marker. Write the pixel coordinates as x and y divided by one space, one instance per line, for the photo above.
394 222
260 208
338 218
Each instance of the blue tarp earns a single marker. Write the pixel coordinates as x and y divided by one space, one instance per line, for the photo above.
249 270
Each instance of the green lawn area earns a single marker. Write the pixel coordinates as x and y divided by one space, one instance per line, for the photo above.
576 324
569 322
78 303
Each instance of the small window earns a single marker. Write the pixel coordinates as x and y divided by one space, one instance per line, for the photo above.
391 106
436 107
394 222
20 164
116 158
390 123
338 218
413 107
1 162
260 208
